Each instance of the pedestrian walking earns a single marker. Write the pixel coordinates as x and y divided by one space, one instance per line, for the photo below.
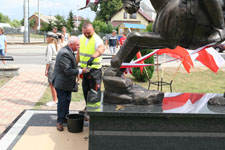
123 38
112 42
3 44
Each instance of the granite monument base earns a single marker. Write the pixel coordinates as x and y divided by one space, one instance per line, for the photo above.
184 121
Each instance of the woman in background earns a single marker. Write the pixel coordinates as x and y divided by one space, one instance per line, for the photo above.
51 53
66 35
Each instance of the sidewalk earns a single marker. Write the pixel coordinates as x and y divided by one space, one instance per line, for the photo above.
20 93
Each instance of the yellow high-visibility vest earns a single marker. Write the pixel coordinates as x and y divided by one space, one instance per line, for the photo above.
86 51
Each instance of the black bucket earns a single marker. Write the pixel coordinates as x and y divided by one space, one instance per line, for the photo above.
75 122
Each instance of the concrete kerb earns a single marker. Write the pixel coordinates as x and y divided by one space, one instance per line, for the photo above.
9 70
21 43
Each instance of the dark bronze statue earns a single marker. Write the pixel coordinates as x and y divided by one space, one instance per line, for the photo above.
187 23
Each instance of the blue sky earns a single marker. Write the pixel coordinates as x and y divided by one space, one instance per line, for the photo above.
14 8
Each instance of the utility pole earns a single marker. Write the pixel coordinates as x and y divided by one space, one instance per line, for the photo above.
39 24
25 36
77 18
28 21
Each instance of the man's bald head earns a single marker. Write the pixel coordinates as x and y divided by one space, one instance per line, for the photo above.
88 30
74 43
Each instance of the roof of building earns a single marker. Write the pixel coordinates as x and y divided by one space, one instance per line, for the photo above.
135 26
145 15
5 25
45 18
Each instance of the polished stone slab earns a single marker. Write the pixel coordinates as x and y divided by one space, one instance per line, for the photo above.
182 121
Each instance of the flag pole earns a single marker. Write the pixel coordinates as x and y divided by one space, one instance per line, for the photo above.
164 59
178 68
157 67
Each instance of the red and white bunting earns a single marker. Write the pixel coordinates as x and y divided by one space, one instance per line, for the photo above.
207 55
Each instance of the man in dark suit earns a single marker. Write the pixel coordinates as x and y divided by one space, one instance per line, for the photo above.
64 77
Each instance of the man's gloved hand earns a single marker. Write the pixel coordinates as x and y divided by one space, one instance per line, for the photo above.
90 61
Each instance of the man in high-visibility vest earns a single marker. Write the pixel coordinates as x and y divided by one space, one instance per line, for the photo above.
89 55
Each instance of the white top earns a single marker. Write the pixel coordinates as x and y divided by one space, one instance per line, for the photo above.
98 41
50 53
2 41
66 37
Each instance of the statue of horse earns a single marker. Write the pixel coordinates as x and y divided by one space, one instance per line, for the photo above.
186 23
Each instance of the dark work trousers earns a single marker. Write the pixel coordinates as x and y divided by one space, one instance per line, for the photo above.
91 80
64 98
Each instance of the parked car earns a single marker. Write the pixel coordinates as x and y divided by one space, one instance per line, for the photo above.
219 47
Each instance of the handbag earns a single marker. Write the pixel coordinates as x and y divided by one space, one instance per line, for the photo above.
75 88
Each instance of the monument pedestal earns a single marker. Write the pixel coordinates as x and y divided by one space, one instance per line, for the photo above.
184 123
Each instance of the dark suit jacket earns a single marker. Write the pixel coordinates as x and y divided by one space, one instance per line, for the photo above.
65 71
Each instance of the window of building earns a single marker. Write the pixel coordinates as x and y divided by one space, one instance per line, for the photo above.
133 16
124 15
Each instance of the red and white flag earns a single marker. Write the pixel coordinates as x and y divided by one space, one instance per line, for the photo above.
186 102
207 55
210 58
142 62
179 53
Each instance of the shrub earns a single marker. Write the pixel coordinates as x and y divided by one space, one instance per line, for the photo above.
136 72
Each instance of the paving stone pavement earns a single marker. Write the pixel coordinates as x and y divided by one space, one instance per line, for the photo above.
20 93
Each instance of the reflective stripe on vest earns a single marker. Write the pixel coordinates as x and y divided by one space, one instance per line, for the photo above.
86 51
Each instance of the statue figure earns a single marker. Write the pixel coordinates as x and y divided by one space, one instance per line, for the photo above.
186 23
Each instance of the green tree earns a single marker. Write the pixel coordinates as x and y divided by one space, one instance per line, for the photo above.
70 22
107 9
15 23
148 71
149 27
32 23
4 18
47 26
102 27
99 26
60 22
22 22
44 26
143 76
110 28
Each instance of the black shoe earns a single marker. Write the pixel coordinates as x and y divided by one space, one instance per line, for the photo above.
59 127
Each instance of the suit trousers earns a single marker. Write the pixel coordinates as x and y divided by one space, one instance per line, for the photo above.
64 99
